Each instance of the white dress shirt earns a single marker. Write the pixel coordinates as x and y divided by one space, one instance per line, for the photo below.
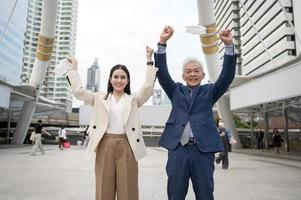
116 125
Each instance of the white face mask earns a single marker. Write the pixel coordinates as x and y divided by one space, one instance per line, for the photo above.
198 29
62 68
194 29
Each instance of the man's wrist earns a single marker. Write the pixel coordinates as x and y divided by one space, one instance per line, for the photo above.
162 43
229 49
161 49
230 43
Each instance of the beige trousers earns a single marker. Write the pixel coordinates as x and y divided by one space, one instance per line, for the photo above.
116 170
37 144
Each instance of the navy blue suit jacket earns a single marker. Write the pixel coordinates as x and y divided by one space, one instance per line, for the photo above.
196 109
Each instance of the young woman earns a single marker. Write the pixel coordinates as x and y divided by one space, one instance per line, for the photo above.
115 134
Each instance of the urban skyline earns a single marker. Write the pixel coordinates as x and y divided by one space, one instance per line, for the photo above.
93 77
54 88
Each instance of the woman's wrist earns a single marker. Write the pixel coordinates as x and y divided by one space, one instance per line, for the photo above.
149 63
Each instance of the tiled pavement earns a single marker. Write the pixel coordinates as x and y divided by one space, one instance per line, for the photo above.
66 175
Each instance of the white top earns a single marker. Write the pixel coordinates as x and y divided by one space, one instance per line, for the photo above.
62 133
116 125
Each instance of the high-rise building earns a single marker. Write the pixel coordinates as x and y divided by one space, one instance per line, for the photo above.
55 88
267 39
12 30
269 36
93 77
263 37
227 16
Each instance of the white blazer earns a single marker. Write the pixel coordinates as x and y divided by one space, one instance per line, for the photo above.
102 107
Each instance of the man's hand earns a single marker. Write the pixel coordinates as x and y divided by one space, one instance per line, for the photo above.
149 53
166 34
73 62
226 37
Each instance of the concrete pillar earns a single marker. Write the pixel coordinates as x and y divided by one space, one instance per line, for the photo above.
223 106
266 128
252 129
285 127
210 47
8 122
43 53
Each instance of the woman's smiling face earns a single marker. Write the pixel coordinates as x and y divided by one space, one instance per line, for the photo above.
119 80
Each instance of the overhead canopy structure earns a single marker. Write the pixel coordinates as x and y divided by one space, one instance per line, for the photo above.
25 93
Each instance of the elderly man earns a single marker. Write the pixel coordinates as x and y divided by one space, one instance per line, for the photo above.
190 134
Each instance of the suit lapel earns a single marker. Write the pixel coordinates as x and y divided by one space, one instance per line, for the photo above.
193 96
127 103
187 95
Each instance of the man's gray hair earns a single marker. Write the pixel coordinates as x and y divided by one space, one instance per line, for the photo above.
192 60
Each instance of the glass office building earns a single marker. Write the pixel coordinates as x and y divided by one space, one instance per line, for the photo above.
12 29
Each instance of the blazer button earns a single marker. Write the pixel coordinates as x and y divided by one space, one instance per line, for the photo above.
133 129
138 140
94 127
183 125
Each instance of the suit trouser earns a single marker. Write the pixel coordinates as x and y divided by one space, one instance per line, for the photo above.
38 144
187 162
116 169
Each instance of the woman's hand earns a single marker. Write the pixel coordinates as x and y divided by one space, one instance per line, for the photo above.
73 62
149 53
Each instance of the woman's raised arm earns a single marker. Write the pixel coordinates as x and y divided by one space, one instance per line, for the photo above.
75 83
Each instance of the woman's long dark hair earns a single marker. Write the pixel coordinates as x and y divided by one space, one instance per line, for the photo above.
127 88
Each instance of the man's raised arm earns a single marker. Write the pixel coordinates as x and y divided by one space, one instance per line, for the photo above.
163 75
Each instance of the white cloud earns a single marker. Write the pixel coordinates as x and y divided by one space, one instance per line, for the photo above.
117 31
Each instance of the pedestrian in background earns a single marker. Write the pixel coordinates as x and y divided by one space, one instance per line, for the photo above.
38 140
259 138
225 137
62 137
277 139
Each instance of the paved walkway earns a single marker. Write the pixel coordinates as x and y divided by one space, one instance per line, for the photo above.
65 175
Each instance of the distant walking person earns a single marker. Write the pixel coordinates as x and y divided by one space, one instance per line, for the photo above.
259 138
62 137
38 140
223 156
277 139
